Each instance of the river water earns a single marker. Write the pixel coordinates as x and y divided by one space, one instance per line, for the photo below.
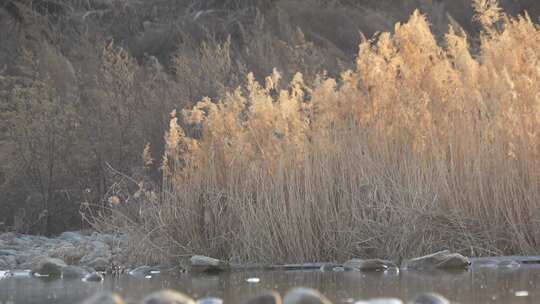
481 284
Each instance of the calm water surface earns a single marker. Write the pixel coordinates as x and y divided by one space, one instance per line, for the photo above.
478 285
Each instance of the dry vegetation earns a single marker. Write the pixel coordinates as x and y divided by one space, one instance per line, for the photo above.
420 147
429 141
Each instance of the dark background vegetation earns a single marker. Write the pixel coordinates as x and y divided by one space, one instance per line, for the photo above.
86 84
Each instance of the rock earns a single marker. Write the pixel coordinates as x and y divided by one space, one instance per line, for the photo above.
141 271
269 297
93 277
380 301
25 241
67 252
73 272
71 236
4 274
8 236
99 264
304 295
210 300
104 298
28 259
201 263
329 267
7 262
49 267
21 273
368 265
97 248
167 296
430 298
107 239
4 252
98 255
439 260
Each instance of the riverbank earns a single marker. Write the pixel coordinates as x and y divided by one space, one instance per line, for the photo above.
92 250
106 253
494 280
93 264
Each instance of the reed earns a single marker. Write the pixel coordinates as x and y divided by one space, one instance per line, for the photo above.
422 146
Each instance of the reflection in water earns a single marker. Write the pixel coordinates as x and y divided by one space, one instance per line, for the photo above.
481 285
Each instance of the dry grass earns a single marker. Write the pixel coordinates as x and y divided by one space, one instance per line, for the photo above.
420 147
421 133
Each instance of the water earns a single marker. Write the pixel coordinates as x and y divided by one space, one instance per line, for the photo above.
482 284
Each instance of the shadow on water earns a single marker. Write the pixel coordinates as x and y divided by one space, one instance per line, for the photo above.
479 285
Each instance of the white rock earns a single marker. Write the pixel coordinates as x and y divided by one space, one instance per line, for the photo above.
21 273
93 277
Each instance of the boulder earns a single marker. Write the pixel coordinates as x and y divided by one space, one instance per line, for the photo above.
439 260
368 265
304 295
105 297
199 263
49 266
269 297
167 296
93 277
429 298
74 272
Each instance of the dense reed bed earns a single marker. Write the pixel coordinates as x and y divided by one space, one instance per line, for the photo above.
423 145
